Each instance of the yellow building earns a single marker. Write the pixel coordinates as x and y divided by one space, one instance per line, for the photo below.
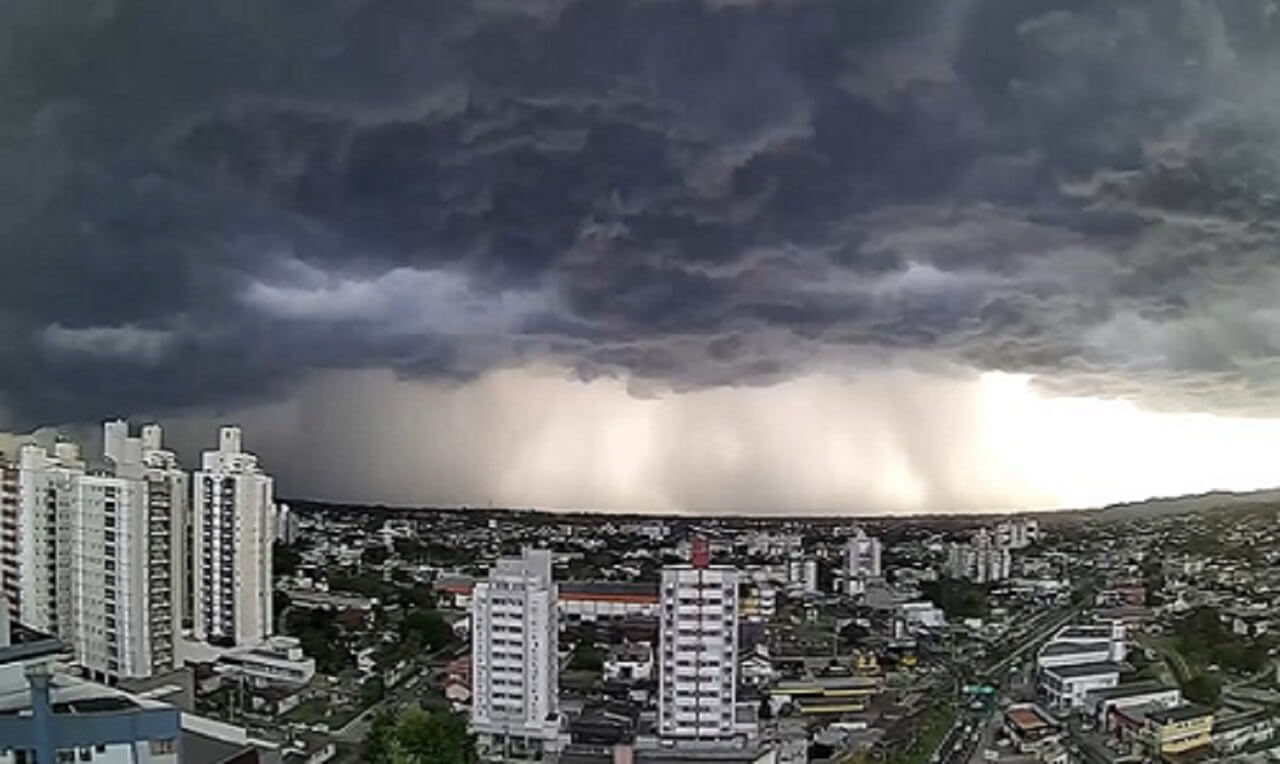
1172 732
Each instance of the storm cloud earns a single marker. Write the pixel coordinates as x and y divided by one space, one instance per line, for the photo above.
204 204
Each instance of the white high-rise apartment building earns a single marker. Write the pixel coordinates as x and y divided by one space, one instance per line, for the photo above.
94 552
515 676
980 561
46 489
862 561
698 680
232 531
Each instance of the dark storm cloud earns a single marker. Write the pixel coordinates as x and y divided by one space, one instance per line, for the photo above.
202 202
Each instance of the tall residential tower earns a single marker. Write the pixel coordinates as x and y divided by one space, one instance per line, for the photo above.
232 531
698 681
515 706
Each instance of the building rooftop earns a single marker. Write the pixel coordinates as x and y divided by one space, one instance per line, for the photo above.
1237 721
1178 714
25 643
1027 719
1068 648
1130 690
1085 632
1086 669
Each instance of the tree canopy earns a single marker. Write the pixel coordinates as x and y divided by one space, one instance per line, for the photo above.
419 737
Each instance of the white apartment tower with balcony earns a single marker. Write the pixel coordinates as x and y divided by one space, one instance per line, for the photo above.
231 535
142 500
92 552
41 545
698 677
515 676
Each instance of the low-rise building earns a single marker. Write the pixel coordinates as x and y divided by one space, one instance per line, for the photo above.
1066 687
1233 734
1032 729
631 662
1101 702
1176 731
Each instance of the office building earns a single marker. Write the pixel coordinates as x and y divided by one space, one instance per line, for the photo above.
232 533
515 704
698 629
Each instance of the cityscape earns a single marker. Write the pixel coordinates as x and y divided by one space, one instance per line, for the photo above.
162 615
639 381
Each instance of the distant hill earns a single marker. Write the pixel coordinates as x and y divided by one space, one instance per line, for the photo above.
1179 505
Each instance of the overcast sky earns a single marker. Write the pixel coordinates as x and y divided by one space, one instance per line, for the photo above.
699 255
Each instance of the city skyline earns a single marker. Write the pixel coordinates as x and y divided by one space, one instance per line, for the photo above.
667 255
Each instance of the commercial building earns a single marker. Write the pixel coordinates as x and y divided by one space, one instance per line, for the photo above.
515 706
1066 687
698 676
1102 703
1075 644
1033 731
232 534
1177 731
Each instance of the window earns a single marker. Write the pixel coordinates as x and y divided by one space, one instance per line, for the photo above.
162 747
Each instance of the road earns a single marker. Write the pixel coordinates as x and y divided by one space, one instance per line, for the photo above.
1032 642
965 747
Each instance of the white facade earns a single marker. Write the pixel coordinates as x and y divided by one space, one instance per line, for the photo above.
1106 638
923 614
1017 533
514 658
804 574
862 556
980 561
698 678
10 530
99 551
232 533
46 483
1066 687
286 521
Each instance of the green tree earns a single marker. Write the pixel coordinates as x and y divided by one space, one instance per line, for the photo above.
1202 689
318 633
958 599
425 629
372 691
586 658
419 737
